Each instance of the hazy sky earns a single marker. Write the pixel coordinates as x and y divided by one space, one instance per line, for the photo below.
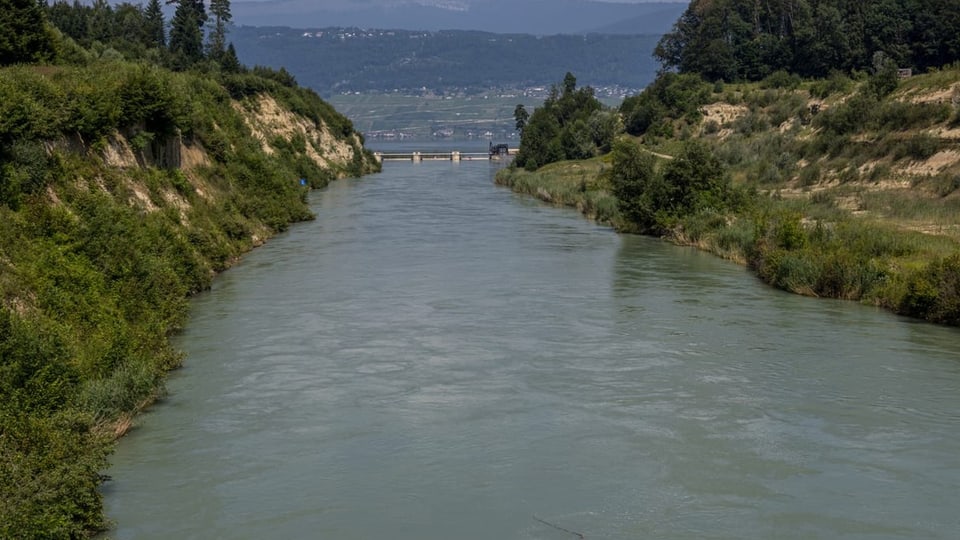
321 4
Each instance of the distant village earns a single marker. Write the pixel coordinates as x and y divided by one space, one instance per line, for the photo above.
443 133
539 92
449 125
533 92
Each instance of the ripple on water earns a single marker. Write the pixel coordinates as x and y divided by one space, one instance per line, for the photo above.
434 357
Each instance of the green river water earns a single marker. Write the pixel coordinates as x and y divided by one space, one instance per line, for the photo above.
438 358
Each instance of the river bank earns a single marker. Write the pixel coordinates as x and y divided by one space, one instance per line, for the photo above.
799 245
125 189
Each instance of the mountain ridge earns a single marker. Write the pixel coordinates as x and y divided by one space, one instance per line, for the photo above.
336 60
540 17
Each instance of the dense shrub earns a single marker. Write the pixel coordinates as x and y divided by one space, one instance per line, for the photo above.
919 147
656 200
93 285
571 124
901 116
836 83
781 79
639 191
670 96
853 115
934 292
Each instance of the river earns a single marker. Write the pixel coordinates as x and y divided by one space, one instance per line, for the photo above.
438 358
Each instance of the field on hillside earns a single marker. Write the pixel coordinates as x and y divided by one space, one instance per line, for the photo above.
395 116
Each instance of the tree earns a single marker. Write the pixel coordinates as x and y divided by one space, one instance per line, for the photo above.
885 76
561 128
100 22
693 182
603 127
128 25
70 19
186 39
669 97
197 6
635 184
229 62
218 34
154 25
697 180
749 39
23 33
520 116
569 83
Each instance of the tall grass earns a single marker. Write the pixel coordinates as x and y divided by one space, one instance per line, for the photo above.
581 185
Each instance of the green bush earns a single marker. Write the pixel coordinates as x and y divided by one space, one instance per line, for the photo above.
945 184
751 123
902 116
934 293
738 237
919 147
781 79
955 120
853 115
94 284
671 97
836 83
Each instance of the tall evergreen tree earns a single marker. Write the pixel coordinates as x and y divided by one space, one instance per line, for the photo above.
156 34
218 34
100 22
520 117
23 32
229 61
71 19
186 37
129 25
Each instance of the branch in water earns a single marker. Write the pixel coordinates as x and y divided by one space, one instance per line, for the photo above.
559 528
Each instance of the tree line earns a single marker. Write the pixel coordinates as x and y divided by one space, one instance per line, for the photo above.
195 34
735 40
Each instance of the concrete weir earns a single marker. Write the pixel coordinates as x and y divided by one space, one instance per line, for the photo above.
455 155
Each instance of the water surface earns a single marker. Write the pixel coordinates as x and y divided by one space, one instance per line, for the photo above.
437 358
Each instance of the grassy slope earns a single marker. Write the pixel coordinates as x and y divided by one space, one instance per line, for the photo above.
869 214
123 189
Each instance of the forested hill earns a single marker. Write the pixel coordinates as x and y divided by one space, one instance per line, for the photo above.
540 17
333 60
750 39
125 185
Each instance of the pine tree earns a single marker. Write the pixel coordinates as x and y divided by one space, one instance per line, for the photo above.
71 19
229 61
218 35
23 32
154 25
520 117
100 25
186 38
